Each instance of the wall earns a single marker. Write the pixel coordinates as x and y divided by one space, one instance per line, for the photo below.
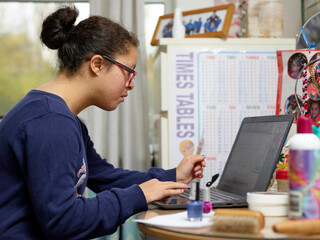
291 17
291 13
186 5
311 7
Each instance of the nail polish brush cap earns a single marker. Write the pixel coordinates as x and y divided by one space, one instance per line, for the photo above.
206 195
193 191
197 191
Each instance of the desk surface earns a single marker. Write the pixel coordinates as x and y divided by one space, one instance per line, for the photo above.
208 233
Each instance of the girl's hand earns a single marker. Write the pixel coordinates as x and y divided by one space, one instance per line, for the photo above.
156 190
190 167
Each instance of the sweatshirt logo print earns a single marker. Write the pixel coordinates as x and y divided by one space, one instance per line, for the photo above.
81 174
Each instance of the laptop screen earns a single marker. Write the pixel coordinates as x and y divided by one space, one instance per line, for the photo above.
257 146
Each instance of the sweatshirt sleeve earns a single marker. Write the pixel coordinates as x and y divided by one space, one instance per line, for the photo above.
103 176
50 162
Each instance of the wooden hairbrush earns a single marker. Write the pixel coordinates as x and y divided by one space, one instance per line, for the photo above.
306 226
237 220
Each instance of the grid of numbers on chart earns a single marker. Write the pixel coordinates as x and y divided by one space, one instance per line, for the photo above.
231 86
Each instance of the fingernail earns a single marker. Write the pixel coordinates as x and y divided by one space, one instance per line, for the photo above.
198 174
181 190
188 185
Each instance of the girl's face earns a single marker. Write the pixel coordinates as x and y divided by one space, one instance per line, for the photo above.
293 103
314 111
295 69
114 81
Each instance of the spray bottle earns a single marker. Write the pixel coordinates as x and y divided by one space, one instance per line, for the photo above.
304 176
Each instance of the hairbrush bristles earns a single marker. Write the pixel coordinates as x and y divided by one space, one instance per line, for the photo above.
237 220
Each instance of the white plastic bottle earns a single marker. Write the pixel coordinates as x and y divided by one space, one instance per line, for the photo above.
304 177
178 29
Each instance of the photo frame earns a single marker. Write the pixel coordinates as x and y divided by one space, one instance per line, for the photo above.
206 22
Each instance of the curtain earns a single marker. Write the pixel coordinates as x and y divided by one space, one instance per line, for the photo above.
121 136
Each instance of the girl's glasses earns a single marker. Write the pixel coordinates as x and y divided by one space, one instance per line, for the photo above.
130 70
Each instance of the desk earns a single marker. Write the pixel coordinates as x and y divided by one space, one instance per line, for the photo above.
151 232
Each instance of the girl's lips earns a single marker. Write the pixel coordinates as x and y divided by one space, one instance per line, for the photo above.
123 96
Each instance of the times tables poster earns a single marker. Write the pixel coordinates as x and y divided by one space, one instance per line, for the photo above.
211 92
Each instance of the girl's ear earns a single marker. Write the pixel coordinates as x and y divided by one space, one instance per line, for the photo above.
96 63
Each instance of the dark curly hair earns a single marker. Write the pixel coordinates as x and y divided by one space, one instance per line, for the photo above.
94 35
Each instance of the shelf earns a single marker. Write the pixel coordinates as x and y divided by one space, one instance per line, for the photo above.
236 43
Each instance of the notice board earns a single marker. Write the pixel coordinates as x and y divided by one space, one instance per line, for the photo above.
290 63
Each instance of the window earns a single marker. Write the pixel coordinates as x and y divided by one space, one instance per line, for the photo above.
24 62
152 13
153 10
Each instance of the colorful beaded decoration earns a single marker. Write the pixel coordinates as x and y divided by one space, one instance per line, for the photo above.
304 91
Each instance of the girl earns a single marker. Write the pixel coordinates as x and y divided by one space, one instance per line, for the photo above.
46 155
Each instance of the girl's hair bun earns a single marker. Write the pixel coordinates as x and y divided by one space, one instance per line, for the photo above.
56 27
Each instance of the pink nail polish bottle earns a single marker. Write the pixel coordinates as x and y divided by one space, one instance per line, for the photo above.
207 205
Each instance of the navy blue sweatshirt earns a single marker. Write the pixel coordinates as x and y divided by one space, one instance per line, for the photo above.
46 161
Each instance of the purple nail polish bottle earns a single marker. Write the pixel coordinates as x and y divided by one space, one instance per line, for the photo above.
195 206
207 205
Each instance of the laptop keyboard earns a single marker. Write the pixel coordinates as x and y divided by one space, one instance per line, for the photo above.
215 195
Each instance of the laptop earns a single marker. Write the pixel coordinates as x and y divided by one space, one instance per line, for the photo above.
250 164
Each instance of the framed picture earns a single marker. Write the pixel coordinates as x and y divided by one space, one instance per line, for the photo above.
206 22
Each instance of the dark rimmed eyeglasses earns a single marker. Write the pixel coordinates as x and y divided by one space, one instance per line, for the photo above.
132 72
